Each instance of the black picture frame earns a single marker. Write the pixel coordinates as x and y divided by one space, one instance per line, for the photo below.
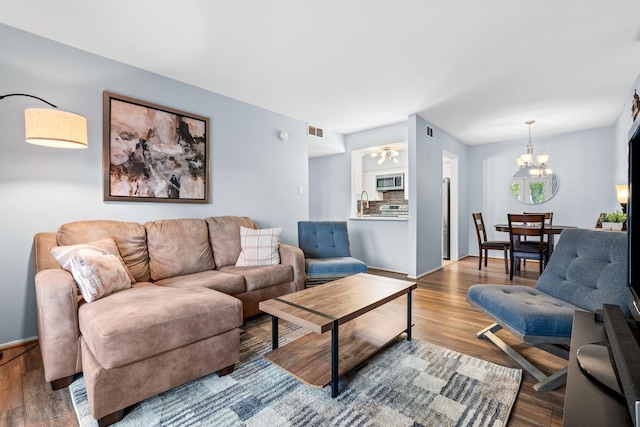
153 153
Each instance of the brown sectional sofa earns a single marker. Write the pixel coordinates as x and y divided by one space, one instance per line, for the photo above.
178 321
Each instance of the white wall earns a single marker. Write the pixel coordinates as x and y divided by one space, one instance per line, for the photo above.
252 172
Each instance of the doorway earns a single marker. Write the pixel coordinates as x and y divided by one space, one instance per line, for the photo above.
449 207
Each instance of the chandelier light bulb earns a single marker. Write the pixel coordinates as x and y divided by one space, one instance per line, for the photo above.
386 153
526 160
543 159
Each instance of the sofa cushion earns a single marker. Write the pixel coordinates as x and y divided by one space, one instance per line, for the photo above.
333 267
130 237
262 277
259 247
178 247
99 275
231 284
528 312
145 321
224 235
105 246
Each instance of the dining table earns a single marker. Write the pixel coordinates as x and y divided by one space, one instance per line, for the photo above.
549 230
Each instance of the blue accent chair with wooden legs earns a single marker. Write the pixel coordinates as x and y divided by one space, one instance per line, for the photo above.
327 253
586 270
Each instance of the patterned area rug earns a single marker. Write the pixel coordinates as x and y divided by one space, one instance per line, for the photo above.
410 383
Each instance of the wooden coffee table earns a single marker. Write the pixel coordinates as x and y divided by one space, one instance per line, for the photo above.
353 310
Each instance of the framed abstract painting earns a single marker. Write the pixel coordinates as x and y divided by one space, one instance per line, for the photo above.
153 153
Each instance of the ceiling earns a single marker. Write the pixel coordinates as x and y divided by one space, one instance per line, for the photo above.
475 69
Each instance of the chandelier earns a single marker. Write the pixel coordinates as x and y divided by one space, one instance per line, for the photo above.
537 167
386 153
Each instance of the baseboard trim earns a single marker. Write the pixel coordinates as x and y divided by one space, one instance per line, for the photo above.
387 270
17 343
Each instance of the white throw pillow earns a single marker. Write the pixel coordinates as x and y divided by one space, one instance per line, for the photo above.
98 275
105 246
259 247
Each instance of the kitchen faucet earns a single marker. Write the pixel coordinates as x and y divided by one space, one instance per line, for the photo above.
361 212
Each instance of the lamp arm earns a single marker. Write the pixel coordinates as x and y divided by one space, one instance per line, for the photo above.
30 96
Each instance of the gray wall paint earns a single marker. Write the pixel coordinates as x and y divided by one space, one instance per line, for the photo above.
413 247
252 173
382 245
425 193
583 161
589 164
621 135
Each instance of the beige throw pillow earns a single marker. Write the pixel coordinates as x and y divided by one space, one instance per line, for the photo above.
259 247
105 246
98 275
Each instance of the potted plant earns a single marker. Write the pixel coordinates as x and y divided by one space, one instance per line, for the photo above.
614 221
604 221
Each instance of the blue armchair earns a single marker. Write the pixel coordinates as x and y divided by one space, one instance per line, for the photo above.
326 251
586 270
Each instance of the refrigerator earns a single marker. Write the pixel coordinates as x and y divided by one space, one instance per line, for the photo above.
446 218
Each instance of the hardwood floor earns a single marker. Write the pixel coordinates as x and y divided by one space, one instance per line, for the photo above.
441 314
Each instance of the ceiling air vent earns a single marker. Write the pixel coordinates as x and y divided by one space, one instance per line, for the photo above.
315 131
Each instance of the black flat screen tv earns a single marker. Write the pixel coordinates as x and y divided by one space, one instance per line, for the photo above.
626 352
616 364
634 176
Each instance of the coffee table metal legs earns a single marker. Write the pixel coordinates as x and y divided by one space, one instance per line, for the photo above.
408 331
334 351
334 344
274 332
334 359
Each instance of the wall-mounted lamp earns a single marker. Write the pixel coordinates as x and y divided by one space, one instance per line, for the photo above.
53 128
622 191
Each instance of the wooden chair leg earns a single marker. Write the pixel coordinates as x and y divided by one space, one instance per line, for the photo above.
511 269
480 260
506 261
486 257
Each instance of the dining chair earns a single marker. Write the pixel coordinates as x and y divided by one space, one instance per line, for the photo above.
489 245
548 219
524 225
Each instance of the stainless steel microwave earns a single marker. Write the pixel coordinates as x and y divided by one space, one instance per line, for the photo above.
394 181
